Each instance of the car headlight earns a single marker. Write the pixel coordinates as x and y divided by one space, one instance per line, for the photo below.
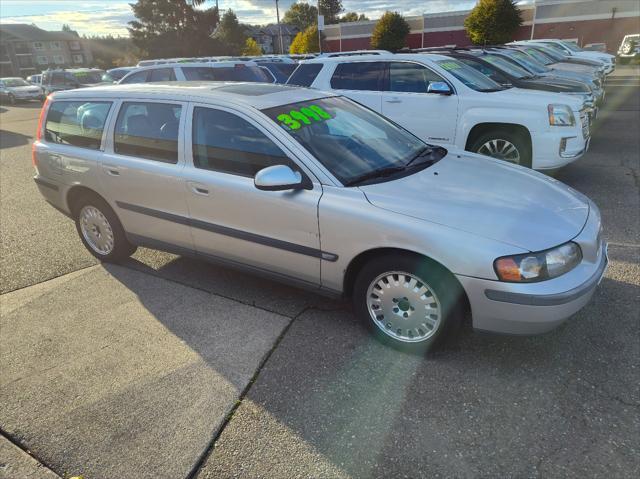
561 115
533 267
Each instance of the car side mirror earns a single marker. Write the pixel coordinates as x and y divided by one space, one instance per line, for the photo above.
439 87
278 178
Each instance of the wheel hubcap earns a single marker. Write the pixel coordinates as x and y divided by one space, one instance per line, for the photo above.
403 307
501 149
96 230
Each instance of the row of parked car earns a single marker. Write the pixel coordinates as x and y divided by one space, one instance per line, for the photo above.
374 199
530 103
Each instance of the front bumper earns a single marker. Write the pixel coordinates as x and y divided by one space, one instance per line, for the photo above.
534 308
28 96
559 146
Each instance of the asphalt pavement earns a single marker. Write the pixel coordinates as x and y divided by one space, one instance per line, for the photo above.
169 367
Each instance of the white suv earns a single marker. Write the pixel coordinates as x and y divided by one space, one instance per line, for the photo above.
198 71
443 101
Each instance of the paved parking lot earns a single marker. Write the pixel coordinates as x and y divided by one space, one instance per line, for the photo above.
166 367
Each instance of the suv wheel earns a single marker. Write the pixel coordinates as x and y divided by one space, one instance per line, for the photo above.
408 302
100 230
503 145
12 99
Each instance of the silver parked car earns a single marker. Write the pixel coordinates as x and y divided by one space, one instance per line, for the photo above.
314 189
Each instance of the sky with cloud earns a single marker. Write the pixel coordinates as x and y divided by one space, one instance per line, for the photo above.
111 16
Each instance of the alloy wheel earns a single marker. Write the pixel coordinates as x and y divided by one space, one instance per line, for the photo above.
501 150
404 307
96 230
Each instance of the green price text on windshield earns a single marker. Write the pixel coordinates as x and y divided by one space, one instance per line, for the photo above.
296 119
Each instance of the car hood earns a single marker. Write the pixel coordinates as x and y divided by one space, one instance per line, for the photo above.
556 84
488 198
536 98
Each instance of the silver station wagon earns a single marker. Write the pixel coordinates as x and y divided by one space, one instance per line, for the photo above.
314 189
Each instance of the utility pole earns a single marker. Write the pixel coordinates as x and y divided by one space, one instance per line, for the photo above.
279 28
533 23
321 27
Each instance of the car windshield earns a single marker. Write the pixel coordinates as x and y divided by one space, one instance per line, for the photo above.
351 141
469 76
88 77
507 66
558 50
529 62
14 82
572 46
541 57
551 53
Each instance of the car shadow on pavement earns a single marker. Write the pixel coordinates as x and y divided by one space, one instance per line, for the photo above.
373 411
10 139
497 404
240 286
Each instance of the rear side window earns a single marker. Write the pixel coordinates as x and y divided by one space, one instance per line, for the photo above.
77 123
366 76
305 74
234 73
227 143
139 77
148 130
162 74
411 77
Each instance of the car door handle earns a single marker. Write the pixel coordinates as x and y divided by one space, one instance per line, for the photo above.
393 100
198 188
56 163
112 170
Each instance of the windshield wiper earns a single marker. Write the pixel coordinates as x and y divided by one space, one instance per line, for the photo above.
424 152
374 174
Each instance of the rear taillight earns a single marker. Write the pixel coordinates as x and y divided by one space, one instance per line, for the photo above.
43 111
45 105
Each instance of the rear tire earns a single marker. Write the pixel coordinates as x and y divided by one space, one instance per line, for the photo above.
504 144
100 230
12 99
408 302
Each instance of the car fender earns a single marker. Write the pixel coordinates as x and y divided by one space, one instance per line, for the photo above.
471 117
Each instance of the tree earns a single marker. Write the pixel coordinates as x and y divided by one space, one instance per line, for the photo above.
352 17
306 41
302 15
230 33
330 9
251 48
493 21
390 32
173 28
109 51
66 28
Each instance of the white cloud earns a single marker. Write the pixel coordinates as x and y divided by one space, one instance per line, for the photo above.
110 17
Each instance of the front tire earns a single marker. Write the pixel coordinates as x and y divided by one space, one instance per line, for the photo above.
504 145
100 230
408 302
12 99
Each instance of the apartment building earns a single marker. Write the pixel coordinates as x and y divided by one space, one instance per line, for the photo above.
27 49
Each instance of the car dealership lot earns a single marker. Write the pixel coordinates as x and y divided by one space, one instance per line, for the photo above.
131 370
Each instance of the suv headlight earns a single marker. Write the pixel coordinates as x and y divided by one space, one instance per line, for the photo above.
533 267
560 115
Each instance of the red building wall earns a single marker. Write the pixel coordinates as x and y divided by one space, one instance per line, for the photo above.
609 31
